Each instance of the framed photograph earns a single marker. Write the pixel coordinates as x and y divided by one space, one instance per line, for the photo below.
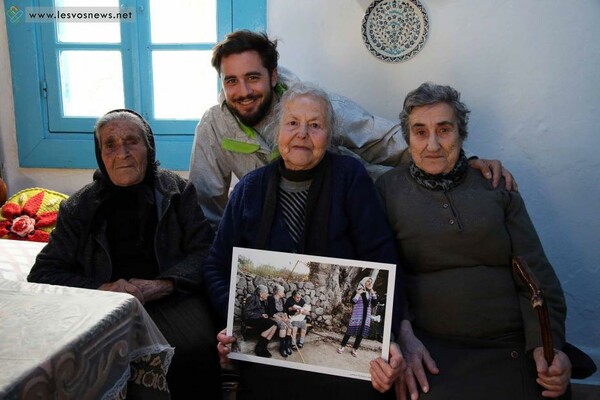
318 314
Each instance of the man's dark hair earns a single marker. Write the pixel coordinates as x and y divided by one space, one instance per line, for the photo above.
245 40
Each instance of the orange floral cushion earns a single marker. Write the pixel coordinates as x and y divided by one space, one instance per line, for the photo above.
30 214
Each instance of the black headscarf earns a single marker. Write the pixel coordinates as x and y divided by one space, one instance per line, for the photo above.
148 137
131 214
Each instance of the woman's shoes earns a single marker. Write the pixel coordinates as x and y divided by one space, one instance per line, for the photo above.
283 347
283 352
300 345
341 350
263 352
261 348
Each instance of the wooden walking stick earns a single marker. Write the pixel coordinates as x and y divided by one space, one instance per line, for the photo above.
298 350
522 270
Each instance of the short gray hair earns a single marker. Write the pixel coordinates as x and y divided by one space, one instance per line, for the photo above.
430 93
261 289
278 288
305 89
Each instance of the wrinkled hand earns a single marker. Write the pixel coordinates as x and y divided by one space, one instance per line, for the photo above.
224 347
153 289
384 374
493 169
418 359
123 286
556 378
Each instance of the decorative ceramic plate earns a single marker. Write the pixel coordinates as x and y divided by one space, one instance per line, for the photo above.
395 30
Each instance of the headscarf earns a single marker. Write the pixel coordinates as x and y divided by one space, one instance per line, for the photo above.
152 164
363 283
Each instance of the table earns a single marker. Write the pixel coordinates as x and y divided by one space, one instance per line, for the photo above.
60 342
17 258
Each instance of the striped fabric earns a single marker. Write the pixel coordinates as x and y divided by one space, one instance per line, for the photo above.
294 210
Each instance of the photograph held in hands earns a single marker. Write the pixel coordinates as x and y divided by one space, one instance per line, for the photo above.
312 313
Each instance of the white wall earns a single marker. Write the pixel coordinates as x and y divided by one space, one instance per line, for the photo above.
528 69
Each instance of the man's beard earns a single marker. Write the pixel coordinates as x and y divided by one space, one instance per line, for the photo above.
254 118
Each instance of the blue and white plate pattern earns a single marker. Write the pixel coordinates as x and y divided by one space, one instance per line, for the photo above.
395 30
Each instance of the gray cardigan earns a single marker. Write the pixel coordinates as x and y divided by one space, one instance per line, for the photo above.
456 248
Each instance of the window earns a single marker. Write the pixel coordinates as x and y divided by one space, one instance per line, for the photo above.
66 74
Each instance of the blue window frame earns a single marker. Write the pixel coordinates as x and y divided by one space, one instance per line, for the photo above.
48 137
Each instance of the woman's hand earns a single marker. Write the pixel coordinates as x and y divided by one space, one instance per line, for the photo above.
418 358
153 289
493 169
123 286
553 379
224 347
384 374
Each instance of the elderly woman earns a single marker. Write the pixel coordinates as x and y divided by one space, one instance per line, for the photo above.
276 310
297 309
456 237
138 229
257 316
308 201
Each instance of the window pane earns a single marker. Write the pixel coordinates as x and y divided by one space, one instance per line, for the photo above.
183 21
185 84
92 32
91 82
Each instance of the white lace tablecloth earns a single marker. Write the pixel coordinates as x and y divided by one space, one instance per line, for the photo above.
70 343
17 258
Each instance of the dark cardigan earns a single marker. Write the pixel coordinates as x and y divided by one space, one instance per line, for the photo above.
77 252
357 228
456 248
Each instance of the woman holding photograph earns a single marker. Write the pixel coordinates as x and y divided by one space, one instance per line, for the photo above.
308 201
